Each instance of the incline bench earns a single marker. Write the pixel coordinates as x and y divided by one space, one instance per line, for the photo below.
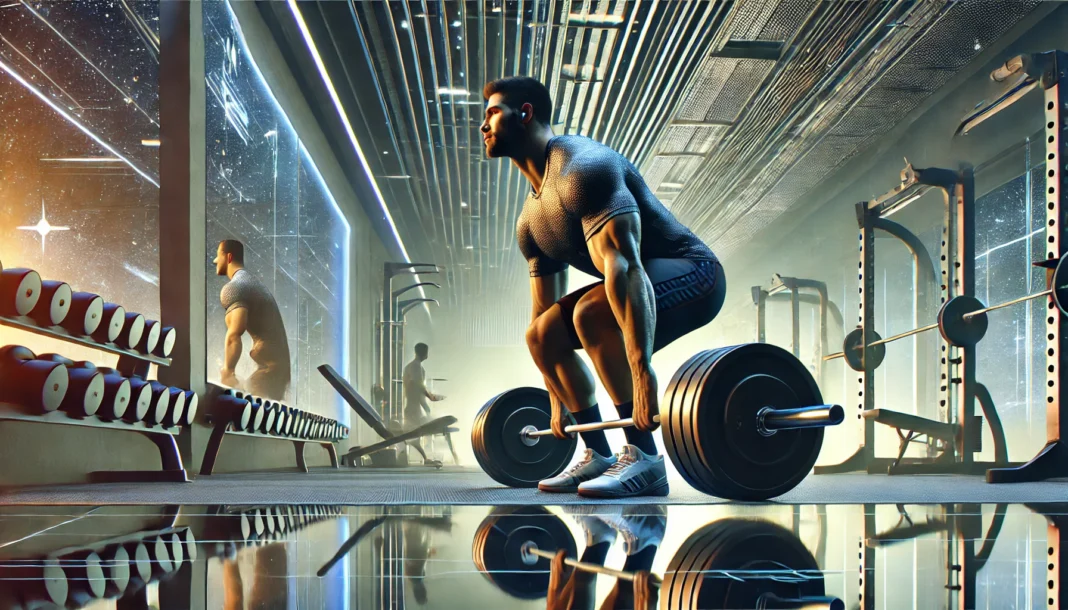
368 414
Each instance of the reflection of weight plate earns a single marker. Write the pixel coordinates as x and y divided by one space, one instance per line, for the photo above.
853 349
710 422
504 453
738 563
958 330
498 549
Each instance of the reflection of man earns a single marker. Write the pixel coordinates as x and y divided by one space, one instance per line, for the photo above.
417 551
416 409
250 307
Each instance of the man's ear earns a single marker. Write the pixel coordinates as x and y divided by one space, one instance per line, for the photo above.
526 113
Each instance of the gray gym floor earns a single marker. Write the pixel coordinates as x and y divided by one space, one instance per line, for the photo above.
470 486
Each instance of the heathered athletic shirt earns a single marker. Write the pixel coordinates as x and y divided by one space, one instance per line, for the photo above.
579 195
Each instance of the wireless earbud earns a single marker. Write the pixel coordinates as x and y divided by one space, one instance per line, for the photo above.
523 115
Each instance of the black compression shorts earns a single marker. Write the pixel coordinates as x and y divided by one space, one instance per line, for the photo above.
689 294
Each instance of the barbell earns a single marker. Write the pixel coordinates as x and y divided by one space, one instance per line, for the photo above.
962 322
730 563
743 422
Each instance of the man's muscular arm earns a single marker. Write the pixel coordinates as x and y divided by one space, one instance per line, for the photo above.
236 324
545 291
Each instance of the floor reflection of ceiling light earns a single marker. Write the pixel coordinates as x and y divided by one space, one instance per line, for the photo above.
43 228
152 143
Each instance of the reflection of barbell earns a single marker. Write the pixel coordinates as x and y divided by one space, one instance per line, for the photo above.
742 422
962 321
730 563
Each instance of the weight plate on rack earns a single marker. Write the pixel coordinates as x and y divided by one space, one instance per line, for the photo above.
853 348
504 453
498 549
958 330
1059 284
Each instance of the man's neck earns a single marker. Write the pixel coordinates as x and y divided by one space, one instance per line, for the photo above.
232 270
532 161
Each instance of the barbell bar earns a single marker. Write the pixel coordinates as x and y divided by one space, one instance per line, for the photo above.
769 420
743 422
961 320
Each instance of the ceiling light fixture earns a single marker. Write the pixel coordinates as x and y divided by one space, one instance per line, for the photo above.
448 91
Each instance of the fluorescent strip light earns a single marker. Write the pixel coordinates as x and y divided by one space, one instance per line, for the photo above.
152 143
447 91
348 129
86 160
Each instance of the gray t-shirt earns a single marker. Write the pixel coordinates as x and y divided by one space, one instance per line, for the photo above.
580 193
270 345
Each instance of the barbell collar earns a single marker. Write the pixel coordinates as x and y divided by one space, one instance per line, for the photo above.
770 420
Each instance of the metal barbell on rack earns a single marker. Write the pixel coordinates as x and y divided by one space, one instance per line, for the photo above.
962 321
743 422
730 563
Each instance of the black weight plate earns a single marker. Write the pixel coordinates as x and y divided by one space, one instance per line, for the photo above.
711 420
1059 284
500 449
853 348
498 543
958 330
733 562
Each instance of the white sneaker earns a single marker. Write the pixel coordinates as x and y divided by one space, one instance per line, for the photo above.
591 466
640 525
633 474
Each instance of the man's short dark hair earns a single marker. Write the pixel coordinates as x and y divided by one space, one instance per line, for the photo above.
232 246
421 349
519 90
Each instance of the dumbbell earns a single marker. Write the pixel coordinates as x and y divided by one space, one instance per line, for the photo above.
117 392
270 413
149 337
86 582
140 565
115 561
159 554
54 305
176 407
236 411
281 421
165 345
142 400
112 322
36 385
162 403
743 422
85 393
34 585
20 290
133 329
295 416
85 315
259 412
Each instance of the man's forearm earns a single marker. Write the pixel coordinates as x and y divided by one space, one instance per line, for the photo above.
630 294
233 351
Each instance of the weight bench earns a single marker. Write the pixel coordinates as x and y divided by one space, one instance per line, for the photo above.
367 413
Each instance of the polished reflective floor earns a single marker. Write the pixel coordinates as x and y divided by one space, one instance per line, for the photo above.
578 556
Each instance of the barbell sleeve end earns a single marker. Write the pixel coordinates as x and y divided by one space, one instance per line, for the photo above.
770 420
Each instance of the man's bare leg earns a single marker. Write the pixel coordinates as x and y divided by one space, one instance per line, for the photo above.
566 374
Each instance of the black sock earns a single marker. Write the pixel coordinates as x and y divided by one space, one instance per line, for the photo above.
642 560
594 439
641 440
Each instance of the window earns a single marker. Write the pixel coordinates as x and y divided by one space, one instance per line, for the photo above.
264 191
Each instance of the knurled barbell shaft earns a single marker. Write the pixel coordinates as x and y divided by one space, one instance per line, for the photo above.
980 312
776 419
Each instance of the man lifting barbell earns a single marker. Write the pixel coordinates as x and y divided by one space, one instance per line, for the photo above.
590 208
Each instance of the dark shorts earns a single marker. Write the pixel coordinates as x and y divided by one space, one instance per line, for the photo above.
689 294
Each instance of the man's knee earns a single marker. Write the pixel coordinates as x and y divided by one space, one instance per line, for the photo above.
546 335
593 317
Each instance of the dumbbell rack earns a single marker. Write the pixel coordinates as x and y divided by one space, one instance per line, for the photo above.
223 426
131 364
